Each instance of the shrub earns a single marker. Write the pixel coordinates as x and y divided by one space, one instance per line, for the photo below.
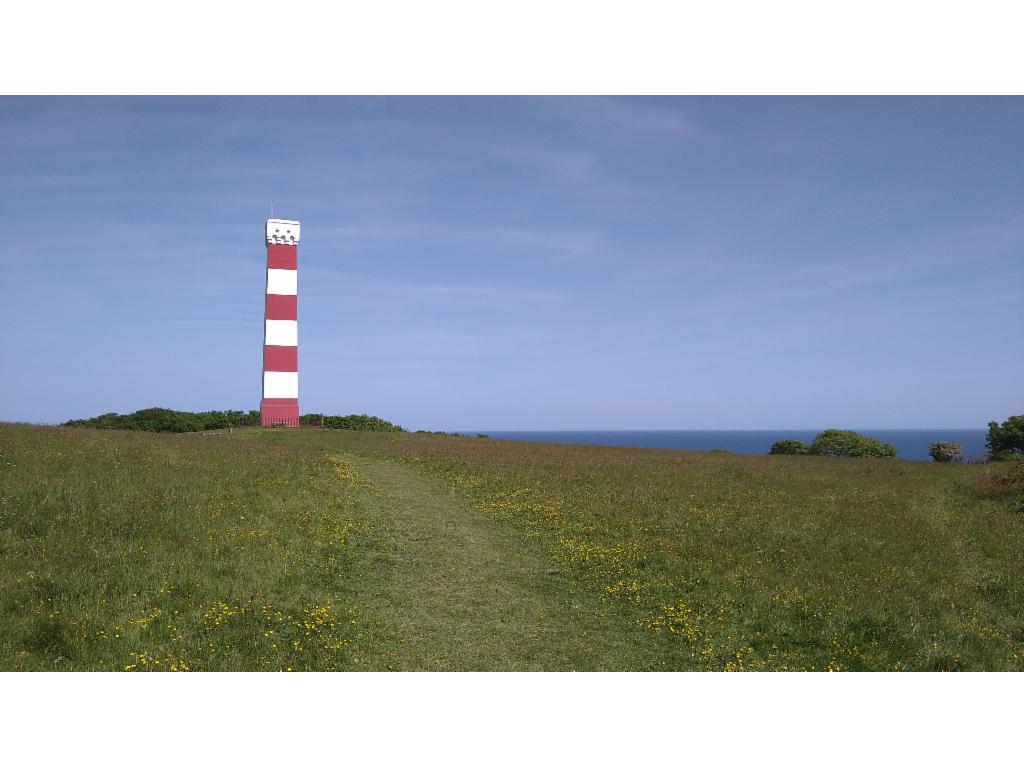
167 420
1006 441
146 420
790 448
103 421
846 443
219 419
946 451
162 420
360 422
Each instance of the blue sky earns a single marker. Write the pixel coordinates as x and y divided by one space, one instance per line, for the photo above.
518 263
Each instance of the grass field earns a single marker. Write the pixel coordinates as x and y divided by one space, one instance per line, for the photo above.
323 549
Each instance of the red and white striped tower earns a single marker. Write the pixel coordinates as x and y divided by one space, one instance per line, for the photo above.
280 404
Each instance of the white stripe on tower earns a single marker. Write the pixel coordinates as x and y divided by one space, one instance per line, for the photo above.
280 404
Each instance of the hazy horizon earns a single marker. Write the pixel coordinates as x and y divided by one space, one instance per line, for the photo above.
543 264
468 430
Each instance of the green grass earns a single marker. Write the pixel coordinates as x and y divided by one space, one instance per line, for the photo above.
139 551
323 549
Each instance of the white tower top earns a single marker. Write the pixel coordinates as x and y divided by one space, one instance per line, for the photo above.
282 231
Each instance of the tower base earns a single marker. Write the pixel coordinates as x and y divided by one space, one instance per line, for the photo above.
279 412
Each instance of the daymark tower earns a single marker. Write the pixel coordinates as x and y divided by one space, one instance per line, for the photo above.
280 403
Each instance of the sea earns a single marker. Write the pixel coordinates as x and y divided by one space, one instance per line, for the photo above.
910 443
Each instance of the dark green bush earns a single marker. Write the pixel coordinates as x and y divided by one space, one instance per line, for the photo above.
1006 441
846 443
103 421
146 420
790 448
360 422
167 420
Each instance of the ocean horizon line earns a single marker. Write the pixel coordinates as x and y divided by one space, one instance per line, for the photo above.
726 429
909 443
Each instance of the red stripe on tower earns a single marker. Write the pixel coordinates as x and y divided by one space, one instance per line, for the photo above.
280 404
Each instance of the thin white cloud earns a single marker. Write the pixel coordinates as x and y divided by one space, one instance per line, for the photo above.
474 294
635 115
564 164
482 292
565 242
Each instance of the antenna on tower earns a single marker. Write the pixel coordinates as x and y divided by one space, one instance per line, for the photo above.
271 209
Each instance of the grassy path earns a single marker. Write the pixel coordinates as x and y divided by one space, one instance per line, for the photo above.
467 594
